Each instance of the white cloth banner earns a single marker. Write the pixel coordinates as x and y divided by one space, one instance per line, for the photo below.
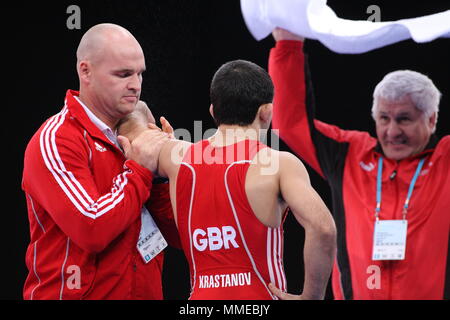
313 19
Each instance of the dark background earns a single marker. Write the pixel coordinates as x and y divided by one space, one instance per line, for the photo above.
184 42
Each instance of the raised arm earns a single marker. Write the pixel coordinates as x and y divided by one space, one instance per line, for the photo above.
320 231
319 144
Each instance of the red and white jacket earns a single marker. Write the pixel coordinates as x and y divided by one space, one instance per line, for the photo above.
348 160
84 206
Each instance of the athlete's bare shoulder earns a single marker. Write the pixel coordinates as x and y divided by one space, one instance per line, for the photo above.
274 162
290 164
171 156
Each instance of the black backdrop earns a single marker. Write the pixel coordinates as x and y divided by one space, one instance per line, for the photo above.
184 42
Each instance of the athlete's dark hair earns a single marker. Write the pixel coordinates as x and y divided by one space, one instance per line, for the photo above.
237 91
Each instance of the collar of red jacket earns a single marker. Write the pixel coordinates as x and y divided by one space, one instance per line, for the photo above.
77 112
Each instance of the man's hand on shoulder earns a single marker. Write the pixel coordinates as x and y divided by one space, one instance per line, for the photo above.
145 148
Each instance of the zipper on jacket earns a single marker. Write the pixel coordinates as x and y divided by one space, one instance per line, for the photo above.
393 175
397 193
389 264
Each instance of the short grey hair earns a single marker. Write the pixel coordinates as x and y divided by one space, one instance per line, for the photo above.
397 85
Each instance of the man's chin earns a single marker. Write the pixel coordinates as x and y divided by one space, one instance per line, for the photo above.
396 153
127 108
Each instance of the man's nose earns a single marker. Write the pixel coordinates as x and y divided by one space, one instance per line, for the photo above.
135 83
393 129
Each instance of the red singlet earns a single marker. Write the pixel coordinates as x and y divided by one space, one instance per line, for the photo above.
231 254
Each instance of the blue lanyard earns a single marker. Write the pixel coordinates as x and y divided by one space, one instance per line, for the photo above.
410 190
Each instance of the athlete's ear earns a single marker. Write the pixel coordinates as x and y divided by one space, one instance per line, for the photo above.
211 111
265 112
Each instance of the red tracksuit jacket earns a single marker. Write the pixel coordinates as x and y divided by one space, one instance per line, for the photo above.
84 202
348 160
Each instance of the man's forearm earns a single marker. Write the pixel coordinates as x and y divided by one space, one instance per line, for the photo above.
319 254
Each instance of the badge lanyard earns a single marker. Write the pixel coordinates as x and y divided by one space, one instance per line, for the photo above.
389 237
410 190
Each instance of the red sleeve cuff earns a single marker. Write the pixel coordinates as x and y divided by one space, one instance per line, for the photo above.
289 44
146 174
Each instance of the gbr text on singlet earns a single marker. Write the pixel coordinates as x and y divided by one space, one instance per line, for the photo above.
215 239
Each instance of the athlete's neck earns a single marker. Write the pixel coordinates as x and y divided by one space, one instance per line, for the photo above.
230 134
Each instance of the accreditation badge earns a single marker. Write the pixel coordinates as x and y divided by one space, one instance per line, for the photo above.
151 241
389 239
